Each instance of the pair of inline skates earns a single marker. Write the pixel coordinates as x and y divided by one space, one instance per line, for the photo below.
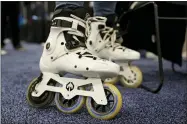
87 48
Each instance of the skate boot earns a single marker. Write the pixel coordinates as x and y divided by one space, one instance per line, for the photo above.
65 52
101 41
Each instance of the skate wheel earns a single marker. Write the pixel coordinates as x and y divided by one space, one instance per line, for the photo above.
69 106
136 81
113 80
109 111
45 99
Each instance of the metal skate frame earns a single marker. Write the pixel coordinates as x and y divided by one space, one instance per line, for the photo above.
140 5
69 87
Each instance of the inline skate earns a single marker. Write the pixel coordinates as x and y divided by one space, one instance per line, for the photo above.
101 41
65 52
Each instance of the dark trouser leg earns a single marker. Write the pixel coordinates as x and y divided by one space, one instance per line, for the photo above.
3 23
14 25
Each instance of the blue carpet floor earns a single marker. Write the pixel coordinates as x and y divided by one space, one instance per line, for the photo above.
169 106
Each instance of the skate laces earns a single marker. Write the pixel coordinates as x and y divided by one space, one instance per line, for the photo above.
77 18
107 34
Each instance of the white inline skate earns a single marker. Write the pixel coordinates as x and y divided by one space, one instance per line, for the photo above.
64 53
101 41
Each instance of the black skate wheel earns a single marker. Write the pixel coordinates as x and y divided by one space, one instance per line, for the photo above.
45 99
109 111
69 106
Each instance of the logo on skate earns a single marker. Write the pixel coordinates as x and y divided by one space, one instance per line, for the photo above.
70 86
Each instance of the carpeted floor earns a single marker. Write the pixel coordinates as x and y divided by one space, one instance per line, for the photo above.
169 106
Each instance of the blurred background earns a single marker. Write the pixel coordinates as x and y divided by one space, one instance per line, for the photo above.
34 19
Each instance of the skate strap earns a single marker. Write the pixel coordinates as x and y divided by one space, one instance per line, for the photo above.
75 41
67 24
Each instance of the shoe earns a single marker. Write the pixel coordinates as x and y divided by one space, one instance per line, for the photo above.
3 52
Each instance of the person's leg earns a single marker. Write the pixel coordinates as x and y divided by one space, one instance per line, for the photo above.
14 25
62 6
69 4
3 26
106 9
